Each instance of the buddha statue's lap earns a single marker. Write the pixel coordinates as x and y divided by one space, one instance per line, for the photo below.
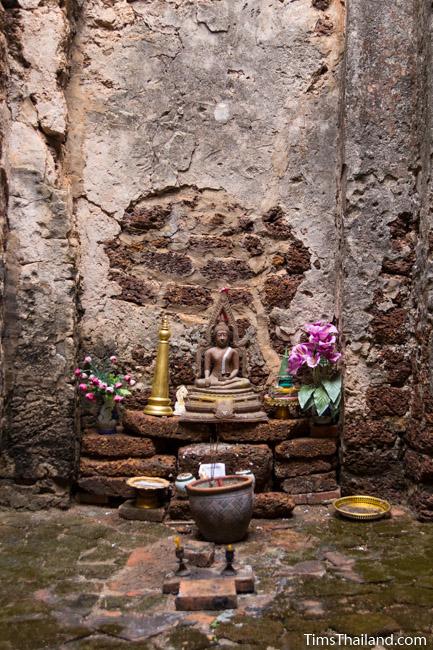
236 383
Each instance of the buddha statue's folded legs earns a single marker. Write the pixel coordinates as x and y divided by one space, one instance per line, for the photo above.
213 382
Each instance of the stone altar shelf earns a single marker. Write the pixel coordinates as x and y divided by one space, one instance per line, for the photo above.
290 466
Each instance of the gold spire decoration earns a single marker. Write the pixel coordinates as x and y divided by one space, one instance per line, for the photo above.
159 401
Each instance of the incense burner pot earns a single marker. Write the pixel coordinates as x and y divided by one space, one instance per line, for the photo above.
222 508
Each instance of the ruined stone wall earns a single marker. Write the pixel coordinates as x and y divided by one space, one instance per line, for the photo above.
4 124
418 459
156 151
386 168
203 146
39 447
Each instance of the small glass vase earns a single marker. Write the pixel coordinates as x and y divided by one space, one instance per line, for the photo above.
324 426
107 421
322 420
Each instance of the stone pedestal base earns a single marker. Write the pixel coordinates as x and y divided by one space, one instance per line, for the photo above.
208 589
290 466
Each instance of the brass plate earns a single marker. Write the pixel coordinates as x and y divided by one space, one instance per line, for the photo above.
280 401
287 391
362 507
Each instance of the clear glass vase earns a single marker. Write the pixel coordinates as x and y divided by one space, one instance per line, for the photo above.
107 421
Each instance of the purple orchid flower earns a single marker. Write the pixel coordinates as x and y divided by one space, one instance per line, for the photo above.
301 354
321 332
321 346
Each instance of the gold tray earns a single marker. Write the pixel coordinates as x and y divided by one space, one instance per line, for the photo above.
362 507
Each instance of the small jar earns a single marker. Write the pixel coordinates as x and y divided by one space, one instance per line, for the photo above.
247 472
181 482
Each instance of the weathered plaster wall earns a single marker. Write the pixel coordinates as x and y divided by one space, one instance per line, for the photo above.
203 146
39 446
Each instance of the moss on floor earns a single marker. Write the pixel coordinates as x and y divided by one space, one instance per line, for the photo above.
188 638
66 584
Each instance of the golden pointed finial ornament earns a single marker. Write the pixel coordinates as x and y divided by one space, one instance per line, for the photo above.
159 401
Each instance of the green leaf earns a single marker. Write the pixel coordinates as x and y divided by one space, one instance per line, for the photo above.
337 402
321 400
304 395
123 392
332 387
309 404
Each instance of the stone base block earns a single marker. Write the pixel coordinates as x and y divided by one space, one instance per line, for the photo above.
179 509
206 594
310 483
257 458
160 466
129 510
305 448
316 498
271 431
290 468
116 446
244 579
108 486
273 505
170 428
140 424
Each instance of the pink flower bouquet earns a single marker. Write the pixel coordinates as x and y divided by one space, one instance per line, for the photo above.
109 386
316 360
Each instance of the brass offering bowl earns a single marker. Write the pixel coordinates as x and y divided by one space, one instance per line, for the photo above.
286 405
362 507
151 491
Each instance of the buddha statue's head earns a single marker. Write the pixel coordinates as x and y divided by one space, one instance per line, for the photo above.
221 334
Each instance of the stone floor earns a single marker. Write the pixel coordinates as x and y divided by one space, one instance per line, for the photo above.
86 579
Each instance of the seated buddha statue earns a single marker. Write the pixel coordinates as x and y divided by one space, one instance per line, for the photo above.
221 362
221 389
